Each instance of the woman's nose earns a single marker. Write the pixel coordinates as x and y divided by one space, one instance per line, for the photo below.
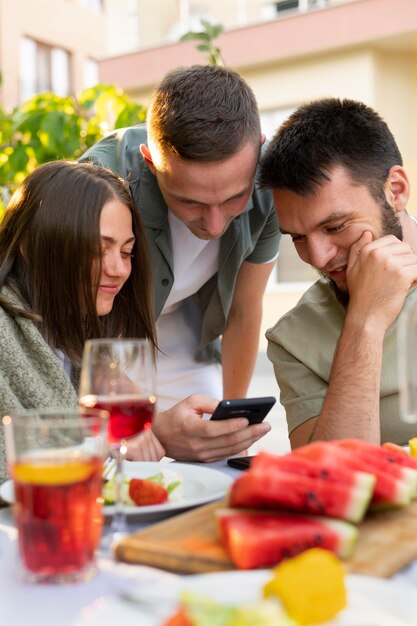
113 264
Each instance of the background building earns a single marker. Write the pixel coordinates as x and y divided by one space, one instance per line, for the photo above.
49 45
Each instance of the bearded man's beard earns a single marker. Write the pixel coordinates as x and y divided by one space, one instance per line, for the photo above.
390 225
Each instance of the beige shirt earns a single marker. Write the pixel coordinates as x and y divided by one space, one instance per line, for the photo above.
301 347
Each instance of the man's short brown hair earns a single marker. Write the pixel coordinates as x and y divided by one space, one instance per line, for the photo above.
203 112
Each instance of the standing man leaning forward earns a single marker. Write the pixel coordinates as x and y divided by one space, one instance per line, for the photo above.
341 193
213 236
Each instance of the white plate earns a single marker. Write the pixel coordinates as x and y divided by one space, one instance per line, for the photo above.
371 601
201 485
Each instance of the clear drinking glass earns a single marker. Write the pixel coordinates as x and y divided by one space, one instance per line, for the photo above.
118 375
56 461
407 363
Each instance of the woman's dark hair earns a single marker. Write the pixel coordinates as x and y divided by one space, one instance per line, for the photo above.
323 134
49 239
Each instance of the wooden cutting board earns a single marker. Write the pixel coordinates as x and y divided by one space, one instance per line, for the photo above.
188 543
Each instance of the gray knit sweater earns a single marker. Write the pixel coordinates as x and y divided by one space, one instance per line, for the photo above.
31 375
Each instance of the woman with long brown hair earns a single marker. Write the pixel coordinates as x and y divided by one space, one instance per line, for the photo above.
74 264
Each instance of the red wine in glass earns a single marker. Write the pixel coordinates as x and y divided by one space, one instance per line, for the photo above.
128 416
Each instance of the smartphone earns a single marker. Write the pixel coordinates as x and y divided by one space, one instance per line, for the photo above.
240 462
254 409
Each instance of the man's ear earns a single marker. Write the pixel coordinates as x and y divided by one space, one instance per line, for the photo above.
144 150
397 188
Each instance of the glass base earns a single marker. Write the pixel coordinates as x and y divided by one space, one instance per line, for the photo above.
110 539
58 578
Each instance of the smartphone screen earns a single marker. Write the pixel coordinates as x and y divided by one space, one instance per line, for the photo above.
254 409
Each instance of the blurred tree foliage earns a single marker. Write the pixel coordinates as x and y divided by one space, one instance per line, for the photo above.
207 36
49 127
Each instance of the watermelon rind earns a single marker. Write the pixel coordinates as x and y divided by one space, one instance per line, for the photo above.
402 497
348 535
410 476
365 481
360 502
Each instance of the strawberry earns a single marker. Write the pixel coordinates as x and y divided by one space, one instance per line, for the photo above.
146 492
180 618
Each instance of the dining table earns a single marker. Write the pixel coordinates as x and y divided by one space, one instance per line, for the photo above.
112 596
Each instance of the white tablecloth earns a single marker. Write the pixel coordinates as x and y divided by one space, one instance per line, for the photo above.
93 603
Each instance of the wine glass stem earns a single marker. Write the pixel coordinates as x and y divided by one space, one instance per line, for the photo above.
119 524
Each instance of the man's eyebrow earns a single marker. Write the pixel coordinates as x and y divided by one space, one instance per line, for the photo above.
333 217
112 240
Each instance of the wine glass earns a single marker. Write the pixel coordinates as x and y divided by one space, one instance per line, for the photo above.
118 375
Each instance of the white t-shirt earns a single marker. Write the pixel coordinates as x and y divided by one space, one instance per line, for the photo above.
178 327
195 262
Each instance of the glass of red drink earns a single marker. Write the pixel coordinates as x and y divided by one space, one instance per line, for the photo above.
118 375
56 462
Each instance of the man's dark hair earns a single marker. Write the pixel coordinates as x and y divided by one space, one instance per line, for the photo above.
203 112
324 134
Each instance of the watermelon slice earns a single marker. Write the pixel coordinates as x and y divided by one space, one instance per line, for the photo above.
275 488
258 539
265 462
392 487
384 459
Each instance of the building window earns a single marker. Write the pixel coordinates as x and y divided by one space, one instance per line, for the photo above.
43 68
272 9
91 77
286 5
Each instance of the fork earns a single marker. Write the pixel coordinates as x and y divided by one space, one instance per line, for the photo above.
109 468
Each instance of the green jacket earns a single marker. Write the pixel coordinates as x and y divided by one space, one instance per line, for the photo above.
253 236
31 375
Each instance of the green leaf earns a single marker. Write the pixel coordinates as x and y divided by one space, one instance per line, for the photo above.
195 35
18 159
190 35
170 488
